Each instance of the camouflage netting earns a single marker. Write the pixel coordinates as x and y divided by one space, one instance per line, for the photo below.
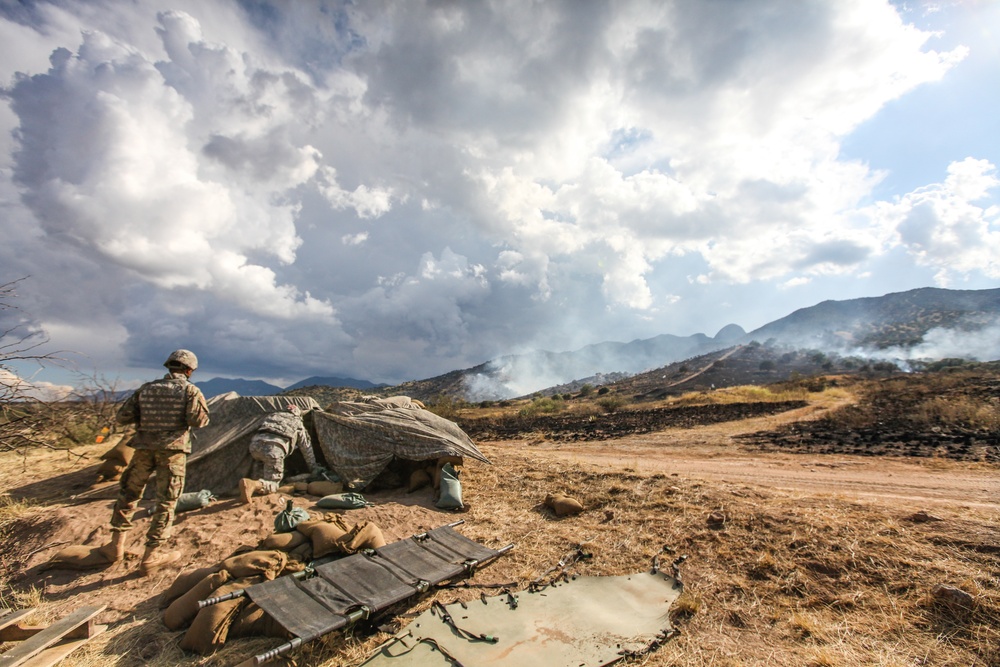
359 439
220 452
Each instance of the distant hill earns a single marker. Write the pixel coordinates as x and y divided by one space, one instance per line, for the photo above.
522 374
862 333
900 319
217 386
317 381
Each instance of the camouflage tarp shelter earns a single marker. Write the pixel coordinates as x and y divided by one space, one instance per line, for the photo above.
220 452
359 439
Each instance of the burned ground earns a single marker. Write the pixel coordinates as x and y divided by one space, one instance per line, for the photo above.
945 415
618 424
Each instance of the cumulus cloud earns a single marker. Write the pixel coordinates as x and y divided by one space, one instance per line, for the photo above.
173 169
942 226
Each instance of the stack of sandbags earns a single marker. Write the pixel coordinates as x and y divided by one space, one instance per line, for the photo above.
208 628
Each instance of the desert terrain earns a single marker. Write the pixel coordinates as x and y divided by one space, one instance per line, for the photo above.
801 544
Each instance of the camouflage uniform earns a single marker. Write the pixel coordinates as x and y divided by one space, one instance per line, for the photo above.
277 437
164 411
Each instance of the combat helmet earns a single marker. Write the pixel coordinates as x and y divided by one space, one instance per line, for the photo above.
184 358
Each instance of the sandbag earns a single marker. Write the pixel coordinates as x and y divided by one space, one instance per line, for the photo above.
210 627
121 453
249 622
326 537
451 489
300 487
454 460
288 518
283 541
307 527
343 501
183 610
324 488
435 473
365 535
184 582
563 505
269 564
110 471
418 480
302 553
77 557
194 500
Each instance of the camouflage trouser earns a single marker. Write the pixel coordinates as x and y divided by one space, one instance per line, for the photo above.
170 468
268 462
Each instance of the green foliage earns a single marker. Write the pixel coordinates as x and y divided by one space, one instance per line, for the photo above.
542 405
446 406
611 403
767 365
602 391
586 389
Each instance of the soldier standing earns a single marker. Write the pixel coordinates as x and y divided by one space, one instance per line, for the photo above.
164 412
280 434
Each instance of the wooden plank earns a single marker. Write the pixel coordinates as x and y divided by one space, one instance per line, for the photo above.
49 636
53 654
10 618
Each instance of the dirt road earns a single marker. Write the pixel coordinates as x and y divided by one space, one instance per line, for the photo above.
711 452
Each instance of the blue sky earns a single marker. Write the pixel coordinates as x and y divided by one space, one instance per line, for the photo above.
391 191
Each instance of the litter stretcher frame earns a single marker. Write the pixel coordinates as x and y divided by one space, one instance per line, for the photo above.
340 593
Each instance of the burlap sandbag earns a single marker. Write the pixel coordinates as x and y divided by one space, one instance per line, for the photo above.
183 610
120 453
77 557
269 564
283 541
365 535
418 480
563 505
307 527
302 553
327 535
249 622
184 582
210 627
253 621
435 473
454 460
110 471
324 488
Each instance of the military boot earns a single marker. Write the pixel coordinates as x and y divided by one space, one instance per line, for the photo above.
155 558
114 550
249 488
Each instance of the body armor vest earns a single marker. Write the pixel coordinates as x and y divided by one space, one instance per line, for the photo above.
163 405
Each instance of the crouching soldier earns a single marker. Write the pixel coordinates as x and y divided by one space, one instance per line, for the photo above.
164 412
280 434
